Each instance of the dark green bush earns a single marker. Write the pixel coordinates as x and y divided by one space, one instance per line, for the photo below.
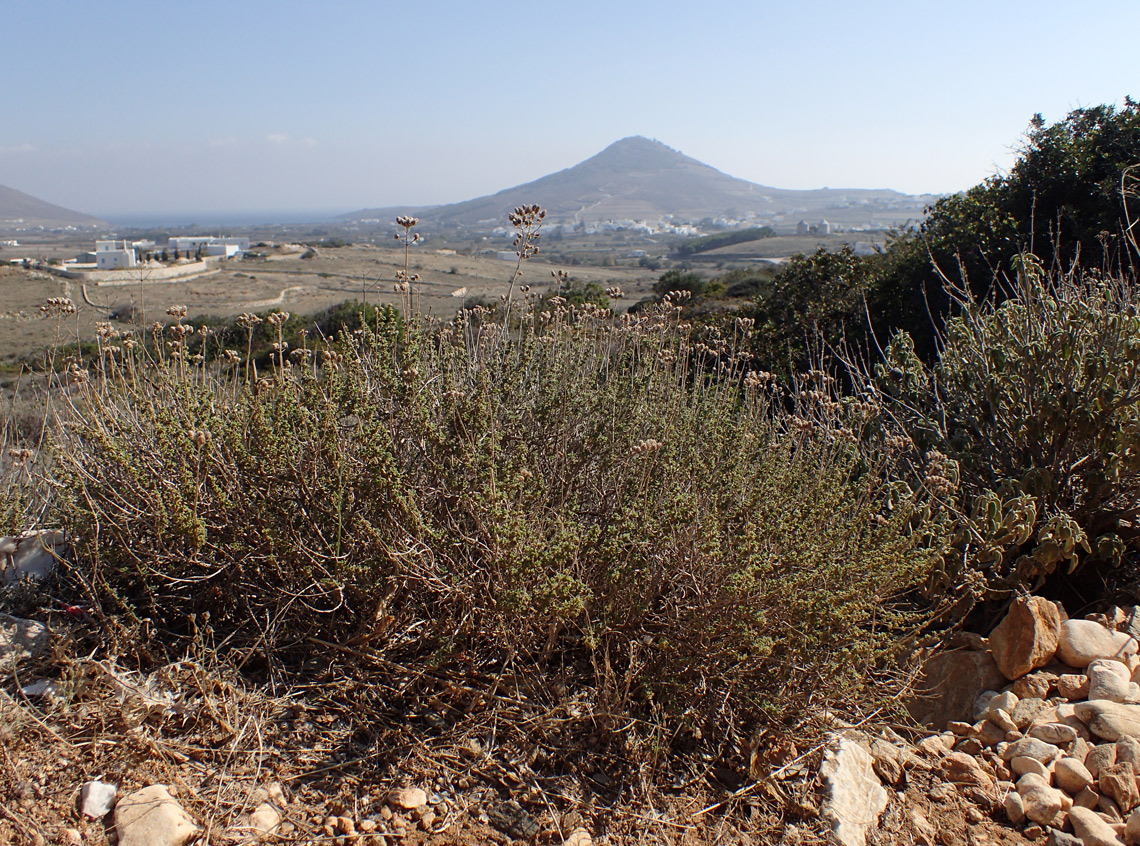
1030 421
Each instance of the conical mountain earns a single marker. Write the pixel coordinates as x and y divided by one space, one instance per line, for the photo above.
638 178
19 211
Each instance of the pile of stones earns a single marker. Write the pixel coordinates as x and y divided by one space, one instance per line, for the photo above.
1058 746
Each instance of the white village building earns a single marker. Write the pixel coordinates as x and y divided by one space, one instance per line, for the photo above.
112 255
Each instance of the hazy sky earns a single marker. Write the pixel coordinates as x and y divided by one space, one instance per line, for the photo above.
121 107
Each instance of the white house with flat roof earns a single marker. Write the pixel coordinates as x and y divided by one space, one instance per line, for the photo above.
112 255
209 245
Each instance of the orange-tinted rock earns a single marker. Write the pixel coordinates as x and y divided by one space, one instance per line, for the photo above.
1027 638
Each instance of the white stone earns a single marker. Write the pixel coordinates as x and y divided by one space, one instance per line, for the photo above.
1022 765
151 817
1092 830
1105 682
1109 720
31 555
854 798
264 819
1084 641
1014 807
1042 802
1072 776
96 799
1031 747
408 798
21 639
1004 701
1055 733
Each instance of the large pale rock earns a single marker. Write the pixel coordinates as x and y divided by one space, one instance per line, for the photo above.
31 555
1119 783
1031 747
1092 830
1041 802
1112 680
1072 776
21 639
1023 765
1027 638
152 817
1109 720
264 819
1083 641
854 798
949 685
1100 757
1014 807
1056 733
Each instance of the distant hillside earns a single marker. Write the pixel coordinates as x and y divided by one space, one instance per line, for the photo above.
19 210
641 179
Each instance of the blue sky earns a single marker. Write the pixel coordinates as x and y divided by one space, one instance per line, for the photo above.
122 107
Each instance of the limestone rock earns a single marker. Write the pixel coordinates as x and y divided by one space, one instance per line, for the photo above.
1027 638
1132 828
1058 734
31 555
1022 765
21 639
407 798
1034 686
960 768
1128 749
1100 757
1031 747
578 837
1112 680
854 798
96 799
1026 712
1119 783
1042 802
264 819
1072 776
1109 720
950 684
1072 686
1014 807
1092 830
1083 641
152 817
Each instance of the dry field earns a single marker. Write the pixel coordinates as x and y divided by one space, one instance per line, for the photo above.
281 281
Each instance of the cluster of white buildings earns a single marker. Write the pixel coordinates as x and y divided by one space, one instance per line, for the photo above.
116 255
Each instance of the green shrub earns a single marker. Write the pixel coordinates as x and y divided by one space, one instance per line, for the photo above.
596 500
1031 415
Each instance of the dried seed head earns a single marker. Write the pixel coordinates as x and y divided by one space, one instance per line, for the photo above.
177 311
